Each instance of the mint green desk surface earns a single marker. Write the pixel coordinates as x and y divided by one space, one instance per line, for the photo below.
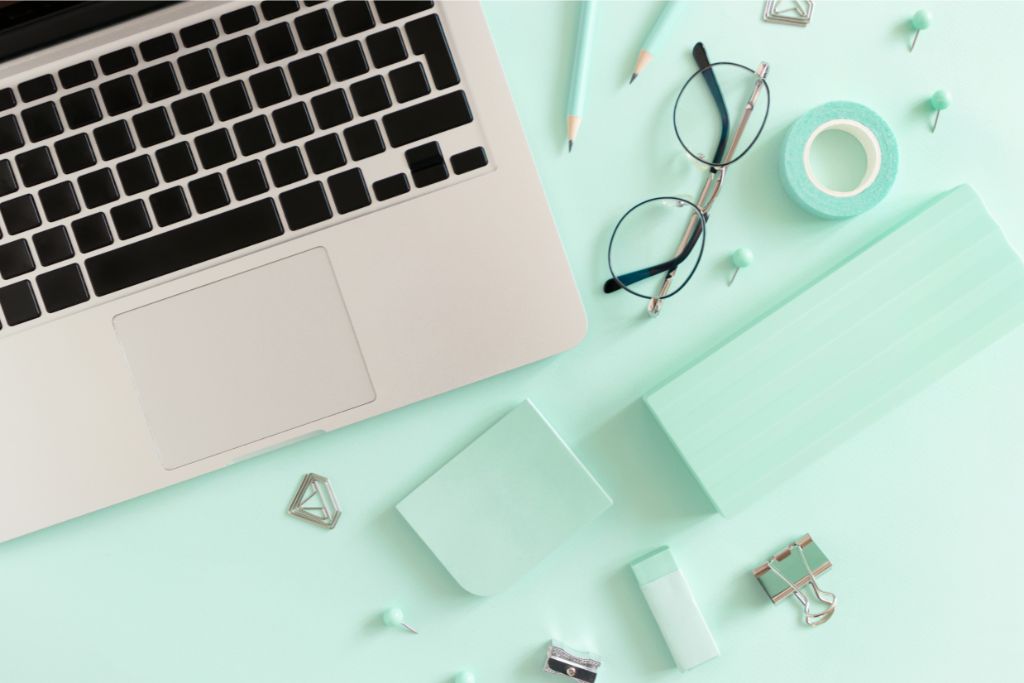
212 581
893 318
504 503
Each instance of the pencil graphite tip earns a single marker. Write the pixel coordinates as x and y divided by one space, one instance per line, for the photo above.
570 145
633 77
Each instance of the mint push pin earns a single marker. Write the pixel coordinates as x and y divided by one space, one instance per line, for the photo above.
939 100
741 258
921 20
395 618
465 677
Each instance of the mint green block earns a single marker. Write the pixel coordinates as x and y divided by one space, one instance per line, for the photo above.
503 504
888 321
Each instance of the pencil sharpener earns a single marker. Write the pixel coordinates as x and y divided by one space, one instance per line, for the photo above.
579 666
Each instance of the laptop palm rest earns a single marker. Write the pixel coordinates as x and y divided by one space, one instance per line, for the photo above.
244 358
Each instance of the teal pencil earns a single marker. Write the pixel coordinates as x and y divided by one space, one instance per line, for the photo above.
666 17
577 84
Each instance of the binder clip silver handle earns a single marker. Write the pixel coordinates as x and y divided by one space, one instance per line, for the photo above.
783 576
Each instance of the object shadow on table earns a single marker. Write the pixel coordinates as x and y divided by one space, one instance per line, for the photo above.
641 470
407 550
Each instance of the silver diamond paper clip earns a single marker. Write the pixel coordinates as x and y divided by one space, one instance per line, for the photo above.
792 12
314 502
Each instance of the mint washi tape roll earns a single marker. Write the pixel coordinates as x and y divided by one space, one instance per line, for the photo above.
880 149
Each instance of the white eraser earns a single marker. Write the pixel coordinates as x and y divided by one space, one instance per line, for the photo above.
678 616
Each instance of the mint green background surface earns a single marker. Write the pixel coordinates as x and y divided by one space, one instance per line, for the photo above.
504 503
211 581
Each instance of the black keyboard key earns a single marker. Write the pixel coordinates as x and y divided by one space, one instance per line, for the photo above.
137 175
364 140
176 161
118 60
15 259
59 201
208 193
305 205
325 153
349 190
286 167
182 247
98 188
409 82
200 33
393 10
331 109
10 134
77 74
20 214
8 183
426 37
114 140
314 29
276 42
247 180
81 108
347 61
272 9
35 166
198 69
308 74
120 95
215 148
53 246
158 47
270 87
253 135
470 160
386 47
159 82
19 303
391 187
37 88
230 100
7 99
426 163
427 118
131 219
153 127
237 55
353 17
169 206
42 122
239 20
92 233
62 288
192 113
292 122
370 95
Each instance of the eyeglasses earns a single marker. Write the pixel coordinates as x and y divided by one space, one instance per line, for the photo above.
649 231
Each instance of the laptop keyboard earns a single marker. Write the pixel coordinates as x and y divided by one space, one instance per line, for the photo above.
246 127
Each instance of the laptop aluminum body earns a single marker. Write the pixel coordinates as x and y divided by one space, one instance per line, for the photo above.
183 374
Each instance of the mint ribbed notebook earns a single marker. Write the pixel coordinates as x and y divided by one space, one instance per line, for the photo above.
879 327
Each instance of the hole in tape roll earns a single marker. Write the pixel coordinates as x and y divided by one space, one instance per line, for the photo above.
842 157
838 160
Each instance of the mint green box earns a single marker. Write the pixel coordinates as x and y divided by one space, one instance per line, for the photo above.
891 319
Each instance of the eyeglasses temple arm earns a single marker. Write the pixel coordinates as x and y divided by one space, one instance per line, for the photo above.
704 64
614 284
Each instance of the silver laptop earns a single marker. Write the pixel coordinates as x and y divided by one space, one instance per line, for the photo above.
226 227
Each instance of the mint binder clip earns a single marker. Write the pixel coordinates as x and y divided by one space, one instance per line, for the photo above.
789 571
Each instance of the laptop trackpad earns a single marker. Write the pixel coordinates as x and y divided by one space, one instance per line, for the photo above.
244 358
